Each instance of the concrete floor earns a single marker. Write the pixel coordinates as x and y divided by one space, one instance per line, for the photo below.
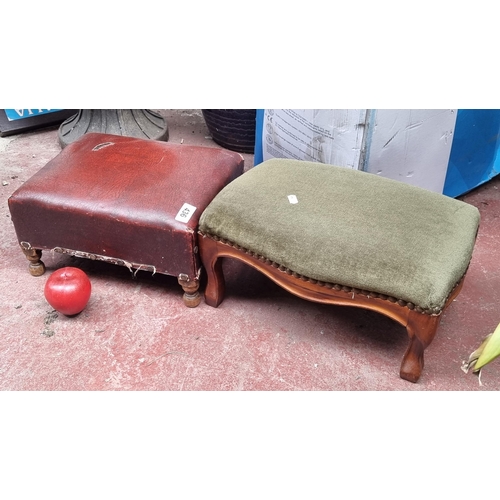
136 333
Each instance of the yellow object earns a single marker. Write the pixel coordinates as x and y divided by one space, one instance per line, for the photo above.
489 349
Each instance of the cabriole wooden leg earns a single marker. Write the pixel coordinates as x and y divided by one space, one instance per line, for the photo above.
36 266
191 296
421 329
214 291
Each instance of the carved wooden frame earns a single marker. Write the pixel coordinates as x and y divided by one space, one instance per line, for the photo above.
421 325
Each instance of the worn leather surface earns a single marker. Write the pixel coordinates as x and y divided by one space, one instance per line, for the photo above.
118 197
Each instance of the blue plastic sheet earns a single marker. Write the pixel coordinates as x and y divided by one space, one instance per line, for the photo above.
474 156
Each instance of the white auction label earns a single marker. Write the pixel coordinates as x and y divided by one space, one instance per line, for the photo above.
185 213
292 199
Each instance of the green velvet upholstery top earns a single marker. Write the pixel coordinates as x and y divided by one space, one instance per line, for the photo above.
349 227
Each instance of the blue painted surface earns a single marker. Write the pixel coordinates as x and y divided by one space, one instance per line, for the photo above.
19 114
258 154
474 156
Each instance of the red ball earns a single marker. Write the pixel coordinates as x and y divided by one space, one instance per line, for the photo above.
68 290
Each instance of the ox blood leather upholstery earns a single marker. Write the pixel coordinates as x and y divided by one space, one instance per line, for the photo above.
124 200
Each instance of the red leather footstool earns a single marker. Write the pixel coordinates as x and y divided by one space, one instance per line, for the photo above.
126 201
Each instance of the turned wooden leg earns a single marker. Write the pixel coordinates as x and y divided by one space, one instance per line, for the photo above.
214 291
36 266
421 329
191 295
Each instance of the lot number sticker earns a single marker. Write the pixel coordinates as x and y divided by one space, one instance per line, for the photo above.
185 213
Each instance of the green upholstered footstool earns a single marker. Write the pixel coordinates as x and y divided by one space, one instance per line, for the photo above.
341 236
